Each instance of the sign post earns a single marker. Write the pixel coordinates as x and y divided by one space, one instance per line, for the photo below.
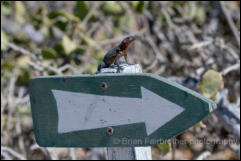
127 153
120 111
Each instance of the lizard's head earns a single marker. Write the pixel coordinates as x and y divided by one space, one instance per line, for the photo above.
127 41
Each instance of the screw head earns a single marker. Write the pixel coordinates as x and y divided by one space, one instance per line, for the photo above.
110 131
103 85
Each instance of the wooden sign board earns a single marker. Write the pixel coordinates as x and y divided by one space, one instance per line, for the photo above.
112 110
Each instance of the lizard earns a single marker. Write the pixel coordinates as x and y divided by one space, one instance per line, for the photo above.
114 54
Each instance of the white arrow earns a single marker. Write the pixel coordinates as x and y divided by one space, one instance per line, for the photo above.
81 111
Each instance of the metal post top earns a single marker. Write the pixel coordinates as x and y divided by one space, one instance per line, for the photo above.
125 68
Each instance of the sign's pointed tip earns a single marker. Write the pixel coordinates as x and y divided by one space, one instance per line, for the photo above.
212 106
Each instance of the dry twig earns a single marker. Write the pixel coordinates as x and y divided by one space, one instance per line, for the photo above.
12 152
230 22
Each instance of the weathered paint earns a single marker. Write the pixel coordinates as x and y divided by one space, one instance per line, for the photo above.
80 111
45 110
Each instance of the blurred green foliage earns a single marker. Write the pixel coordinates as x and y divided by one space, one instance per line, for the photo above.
65 38
60 33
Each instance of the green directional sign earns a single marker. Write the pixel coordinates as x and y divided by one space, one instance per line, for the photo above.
112 110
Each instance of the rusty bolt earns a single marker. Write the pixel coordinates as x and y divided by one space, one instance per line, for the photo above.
103 86
110 131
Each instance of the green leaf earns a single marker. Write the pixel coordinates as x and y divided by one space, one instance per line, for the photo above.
61 24
7 65
49 53
23 78
19 12
23 110
164 147
7 7
98 55
3 122
195 12
201 15
55 14
71 17
211 82
39 20
124 21
3 38
68 45
92 68
112 8
138 6
81 9
200 125
36 21
192 9
58 47
86 40
22 62
68 16
79 51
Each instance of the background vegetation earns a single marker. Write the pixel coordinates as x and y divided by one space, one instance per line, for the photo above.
196 44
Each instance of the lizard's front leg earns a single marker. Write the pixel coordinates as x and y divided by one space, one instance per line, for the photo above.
125 56
117 63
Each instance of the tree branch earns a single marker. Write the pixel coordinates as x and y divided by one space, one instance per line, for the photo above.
230 22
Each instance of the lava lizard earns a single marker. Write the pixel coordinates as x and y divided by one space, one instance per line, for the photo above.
113 55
